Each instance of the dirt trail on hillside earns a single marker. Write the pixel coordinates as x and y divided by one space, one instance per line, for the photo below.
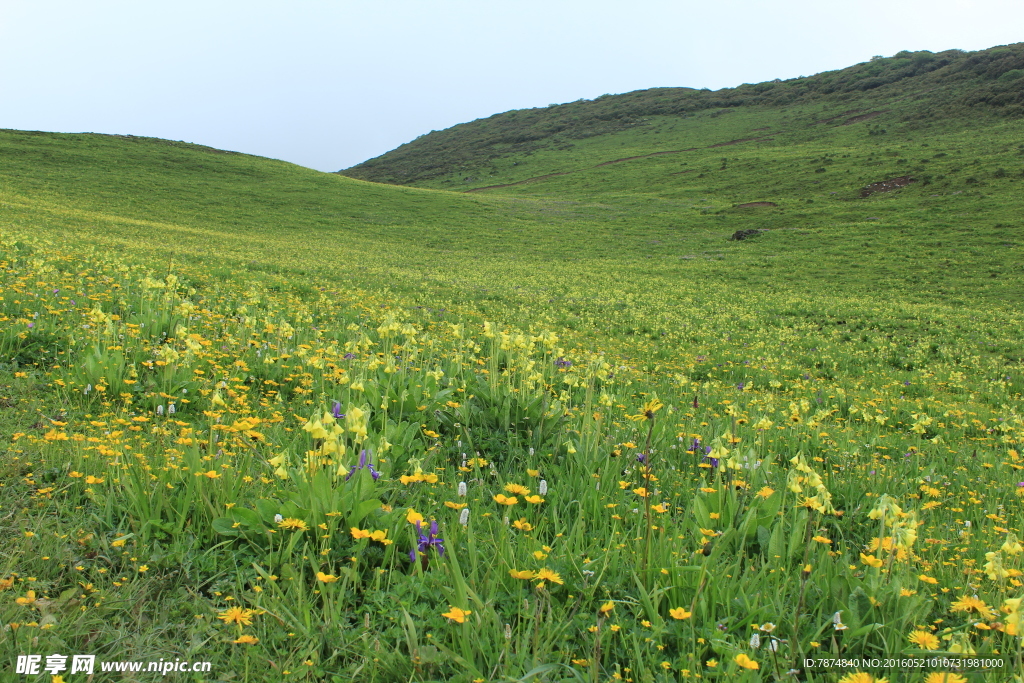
520 182
644 156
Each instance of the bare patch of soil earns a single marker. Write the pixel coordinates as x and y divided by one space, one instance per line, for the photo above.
886 185
643 156
735 142
861 117
519 182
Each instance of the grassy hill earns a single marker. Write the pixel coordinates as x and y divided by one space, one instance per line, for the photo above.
911 91
642 443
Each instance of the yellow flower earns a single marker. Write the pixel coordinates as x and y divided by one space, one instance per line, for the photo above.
236 615
648 411
606 607
822 539
712 663
517 489
924 639
641 491
994 566
381 536
680 613
533 473
870 560
454 506
413 517
535 499
944 677
968 603
359 533
293 524
746 662
326 578
765 492
502 499
548 575
246 640
457 614
28 600
861 677
522 574
928 579
1014 616
1011 546
522 524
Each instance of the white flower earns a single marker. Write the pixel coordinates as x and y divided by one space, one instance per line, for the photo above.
542 487
170 409
160 410
278 518
464 517
462 489
755 641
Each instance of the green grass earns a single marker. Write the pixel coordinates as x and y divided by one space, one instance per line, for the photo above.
868 345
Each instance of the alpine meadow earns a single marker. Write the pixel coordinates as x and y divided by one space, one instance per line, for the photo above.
663 386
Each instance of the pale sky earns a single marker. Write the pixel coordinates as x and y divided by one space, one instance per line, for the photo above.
329 83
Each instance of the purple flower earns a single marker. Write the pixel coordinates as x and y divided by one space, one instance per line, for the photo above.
425 542
336 411
363 464
695 445
561 362
349 356
741 385
906 382
641 457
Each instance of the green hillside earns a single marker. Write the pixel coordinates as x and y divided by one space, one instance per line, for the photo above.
532 415
910 92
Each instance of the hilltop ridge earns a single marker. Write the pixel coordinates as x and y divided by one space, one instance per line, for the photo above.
908 91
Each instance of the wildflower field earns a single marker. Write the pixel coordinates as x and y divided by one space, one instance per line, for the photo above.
313 429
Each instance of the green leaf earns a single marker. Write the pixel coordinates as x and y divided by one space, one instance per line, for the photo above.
225 527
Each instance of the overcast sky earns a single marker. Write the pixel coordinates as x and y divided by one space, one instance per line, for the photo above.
329 83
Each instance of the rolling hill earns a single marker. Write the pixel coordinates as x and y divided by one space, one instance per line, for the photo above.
911 93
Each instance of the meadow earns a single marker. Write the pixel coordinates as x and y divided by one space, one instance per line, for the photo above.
307 427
